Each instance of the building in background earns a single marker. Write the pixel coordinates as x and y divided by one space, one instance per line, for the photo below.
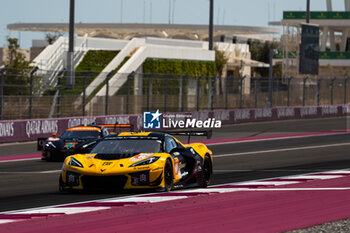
37 47
334 43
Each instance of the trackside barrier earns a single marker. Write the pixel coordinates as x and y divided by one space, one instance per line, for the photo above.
29 130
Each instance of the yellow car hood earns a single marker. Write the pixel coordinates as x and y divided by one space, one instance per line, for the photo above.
91 165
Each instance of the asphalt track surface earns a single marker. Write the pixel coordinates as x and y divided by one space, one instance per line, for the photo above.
34 183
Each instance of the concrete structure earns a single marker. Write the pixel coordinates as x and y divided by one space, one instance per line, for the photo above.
53 58
130 30
37 47
138 50
237 64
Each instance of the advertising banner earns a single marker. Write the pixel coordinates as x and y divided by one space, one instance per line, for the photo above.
30 130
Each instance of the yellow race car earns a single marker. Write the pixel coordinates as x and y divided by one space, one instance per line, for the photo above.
144 160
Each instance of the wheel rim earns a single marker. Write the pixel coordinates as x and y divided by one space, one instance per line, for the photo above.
48 155
167 177
207 170
60 186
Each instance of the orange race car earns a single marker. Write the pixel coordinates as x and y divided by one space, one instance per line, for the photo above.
78 139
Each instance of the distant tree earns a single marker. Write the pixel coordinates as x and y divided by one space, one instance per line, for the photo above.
261 52
16 79
52 37
220 62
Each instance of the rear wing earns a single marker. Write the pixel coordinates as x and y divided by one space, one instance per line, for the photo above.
189 133
113 128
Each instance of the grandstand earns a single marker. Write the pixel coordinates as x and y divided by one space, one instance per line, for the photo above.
138 42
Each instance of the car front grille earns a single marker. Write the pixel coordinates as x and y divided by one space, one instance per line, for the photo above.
103 182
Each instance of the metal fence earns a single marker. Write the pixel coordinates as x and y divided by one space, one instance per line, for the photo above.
25 94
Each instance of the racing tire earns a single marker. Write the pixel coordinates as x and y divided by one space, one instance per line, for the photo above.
168 176
49 156
60 185
204 176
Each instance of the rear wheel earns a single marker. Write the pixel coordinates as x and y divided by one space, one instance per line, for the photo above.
206 173
168 176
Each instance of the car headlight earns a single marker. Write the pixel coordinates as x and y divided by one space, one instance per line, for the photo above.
74 162
145 161
50 144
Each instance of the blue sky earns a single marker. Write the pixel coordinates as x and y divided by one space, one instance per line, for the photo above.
228 12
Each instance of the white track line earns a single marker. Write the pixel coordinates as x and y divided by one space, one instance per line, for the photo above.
6 220
346 170
337 172
17 143
280 150
63 210
215 190
146 199
272 170
300 189
272 139
142 198
33 172
18 160
267 183
320 177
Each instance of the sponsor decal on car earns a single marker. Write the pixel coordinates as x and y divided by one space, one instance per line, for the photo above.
140 178
177 166
157 169
140 157
70 145
80 121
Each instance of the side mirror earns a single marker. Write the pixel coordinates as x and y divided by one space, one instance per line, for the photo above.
54 134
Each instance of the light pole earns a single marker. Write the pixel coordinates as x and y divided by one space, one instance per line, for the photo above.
169 17
211 24
272 53
121 11
144 11
70 54
173 13
307 11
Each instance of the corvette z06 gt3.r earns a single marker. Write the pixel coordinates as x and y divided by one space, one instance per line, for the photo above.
127 160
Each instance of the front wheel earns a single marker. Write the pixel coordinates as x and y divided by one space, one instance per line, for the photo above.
168 176
60 185
49 156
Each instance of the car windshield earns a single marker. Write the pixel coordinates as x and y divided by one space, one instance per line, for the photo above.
80 134
125 148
